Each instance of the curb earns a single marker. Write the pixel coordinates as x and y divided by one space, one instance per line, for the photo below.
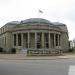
51 58
24 57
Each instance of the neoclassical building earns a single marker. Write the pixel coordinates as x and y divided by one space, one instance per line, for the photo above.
34 33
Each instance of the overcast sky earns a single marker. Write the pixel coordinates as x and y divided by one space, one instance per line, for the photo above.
53 10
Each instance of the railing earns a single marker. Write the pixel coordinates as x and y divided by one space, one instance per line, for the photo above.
46 52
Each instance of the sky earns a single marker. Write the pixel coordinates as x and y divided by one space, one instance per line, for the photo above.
53 10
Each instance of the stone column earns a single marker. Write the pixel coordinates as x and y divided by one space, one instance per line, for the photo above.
16 40
43 40
22 39
49 39
58 39
35 40
28 39
61 40
54 40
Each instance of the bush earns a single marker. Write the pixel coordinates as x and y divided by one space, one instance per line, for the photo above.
71 49
1 49
13 50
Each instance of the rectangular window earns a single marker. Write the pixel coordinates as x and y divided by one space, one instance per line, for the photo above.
38 40
19 39
56 39
14 39
5 41
46 40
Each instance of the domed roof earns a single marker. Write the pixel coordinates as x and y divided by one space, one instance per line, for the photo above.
13 23
36 20
58 23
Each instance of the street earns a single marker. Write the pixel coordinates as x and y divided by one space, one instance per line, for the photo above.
36 67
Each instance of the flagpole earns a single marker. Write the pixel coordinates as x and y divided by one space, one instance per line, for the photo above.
39 13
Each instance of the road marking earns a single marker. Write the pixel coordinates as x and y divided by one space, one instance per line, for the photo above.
71 70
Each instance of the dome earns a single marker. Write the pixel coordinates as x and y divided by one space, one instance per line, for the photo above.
58 23
36 20
13 23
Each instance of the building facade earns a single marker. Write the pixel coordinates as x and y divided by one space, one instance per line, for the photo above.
34 33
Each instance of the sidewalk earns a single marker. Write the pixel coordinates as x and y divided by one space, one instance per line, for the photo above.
24 57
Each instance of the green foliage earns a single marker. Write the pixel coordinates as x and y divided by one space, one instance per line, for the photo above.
13 50
71 49
1 49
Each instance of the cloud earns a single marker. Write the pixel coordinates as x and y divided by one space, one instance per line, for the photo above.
54 10
71 28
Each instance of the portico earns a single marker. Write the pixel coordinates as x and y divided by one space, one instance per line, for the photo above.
36 40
